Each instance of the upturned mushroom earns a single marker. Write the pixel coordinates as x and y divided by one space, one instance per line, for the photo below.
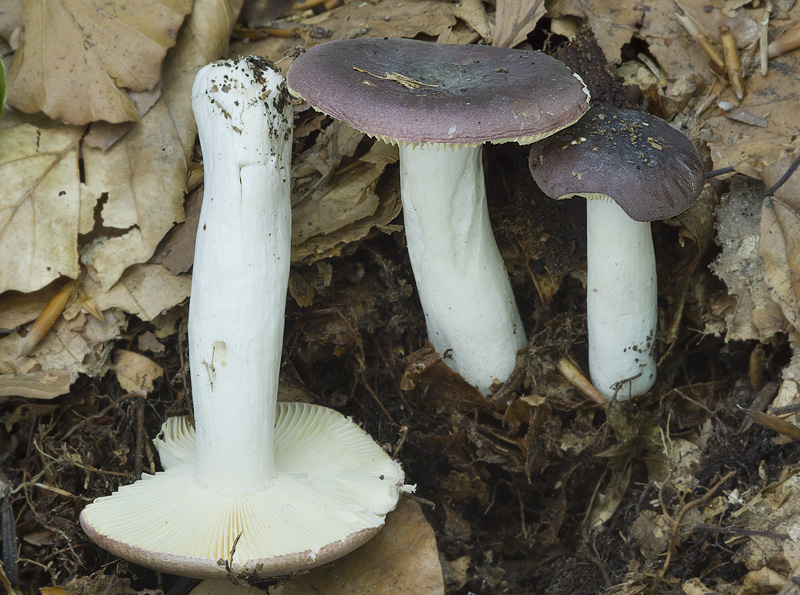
252 489
633 168
440 103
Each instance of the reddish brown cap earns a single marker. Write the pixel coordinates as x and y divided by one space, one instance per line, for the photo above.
411 91
651 169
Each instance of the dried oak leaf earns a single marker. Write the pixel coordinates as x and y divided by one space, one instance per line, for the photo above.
78 56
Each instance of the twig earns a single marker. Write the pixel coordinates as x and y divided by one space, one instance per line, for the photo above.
378 401
763 44
400 442
719 172
676 524
102 412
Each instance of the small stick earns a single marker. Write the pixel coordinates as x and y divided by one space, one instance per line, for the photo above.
732 64
719 172
400 442
697 32
763 45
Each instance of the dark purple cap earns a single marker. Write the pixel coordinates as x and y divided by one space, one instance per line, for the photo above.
652 170
412 91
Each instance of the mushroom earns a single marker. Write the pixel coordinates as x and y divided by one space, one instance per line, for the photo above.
254 489
440 103
633 168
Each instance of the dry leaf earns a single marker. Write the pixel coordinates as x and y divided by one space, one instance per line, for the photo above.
608 499
386 18
36 385
402 558
142 178
515 19
10 17
347 209
474 14
377 18
78 55
756 315
780 241
39 205
176 251
616 23
348 197
135 372
145 290
145 174
71 347
774 98
18 308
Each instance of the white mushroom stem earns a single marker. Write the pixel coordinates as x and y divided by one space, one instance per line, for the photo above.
240 276
621 308
470 310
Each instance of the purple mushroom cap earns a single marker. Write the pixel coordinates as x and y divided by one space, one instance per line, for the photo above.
410 91
651 169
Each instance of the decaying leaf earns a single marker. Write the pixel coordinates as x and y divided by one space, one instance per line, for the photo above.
145 290
402 558
77 57
345 199
515 19
473 12
774 98
71 347
780 240
141 180
135 372
756 315
771 516
40 202
608 499
10 17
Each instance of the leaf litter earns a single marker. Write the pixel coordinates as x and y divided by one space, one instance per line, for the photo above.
689 489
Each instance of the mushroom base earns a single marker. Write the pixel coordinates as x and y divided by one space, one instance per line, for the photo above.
332 488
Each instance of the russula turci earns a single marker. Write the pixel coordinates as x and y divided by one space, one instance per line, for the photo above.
440 103
633 168
253 489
